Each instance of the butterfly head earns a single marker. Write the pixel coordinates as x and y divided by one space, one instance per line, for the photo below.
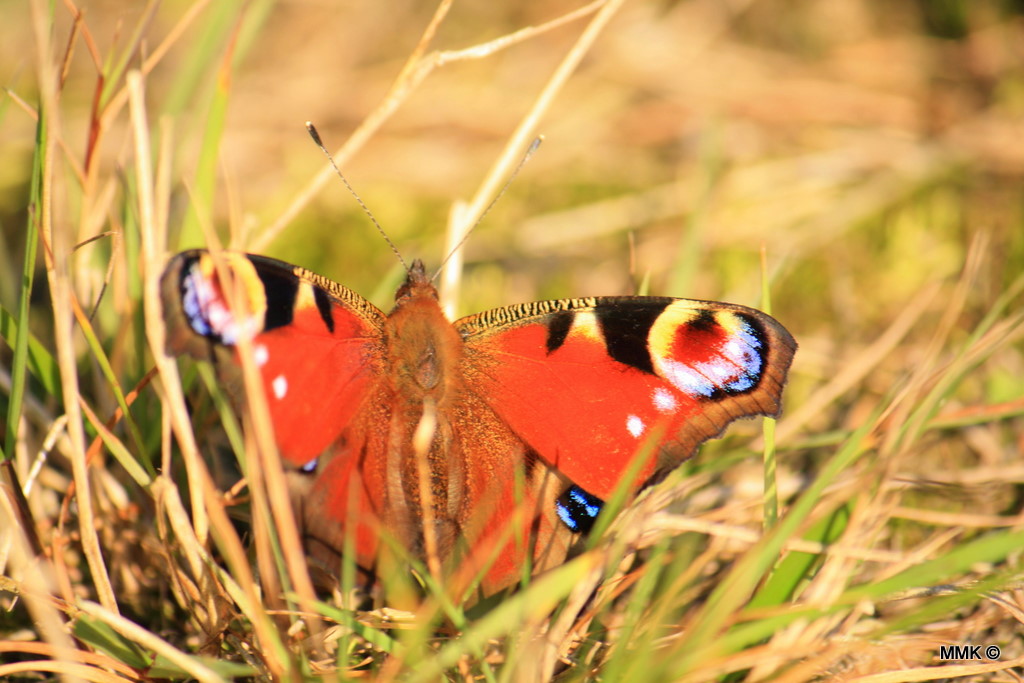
416 284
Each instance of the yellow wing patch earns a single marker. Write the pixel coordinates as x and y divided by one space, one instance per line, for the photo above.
662 336
585 325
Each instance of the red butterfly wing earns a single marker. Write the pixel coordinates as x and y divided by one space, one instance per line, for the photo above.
585 382
318 348
315 343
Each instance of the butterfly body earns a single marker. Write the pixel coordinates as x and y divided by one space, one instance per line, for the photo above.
489 441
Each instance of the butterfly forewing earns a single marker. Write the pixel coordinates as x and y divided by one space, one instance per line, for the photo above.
585 382
315 343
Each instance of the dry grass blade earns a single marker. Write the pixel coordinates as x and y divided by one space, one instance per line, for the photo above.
34 575
463 218
941 673
153 234
267 483
150 641
55 246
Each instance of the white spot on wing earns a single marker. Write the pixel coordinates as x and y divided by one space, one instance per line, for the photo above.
260 355
635 426
280 387
664 401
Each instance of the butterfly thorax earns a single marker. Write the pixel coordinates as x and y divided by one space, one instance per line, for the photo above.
423 356
423 348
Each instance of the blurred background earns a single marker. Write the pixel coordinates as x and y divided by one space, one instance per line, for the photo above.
692 134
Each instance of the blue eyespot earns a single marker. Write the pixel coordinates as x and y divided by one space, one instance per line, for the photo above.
748 357
193 303
578 509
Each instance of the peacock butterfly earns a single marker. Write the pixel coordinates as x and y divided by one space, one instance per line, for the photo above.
537 410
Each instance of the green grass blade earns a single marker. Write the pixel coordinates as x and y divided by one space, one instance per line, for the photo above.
797 566
141 454
992 548
21 332
39 361
101 636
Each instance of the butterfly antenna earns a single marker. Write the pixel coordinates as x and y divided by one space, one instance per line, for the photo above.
319 143
522 162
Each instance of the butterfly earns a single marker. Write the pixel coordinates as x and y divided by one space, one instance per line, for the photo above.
490 442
